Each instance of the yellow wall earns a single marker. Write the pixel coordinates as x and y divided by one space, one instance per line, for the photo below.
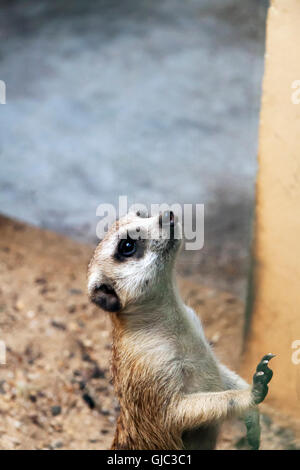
276 308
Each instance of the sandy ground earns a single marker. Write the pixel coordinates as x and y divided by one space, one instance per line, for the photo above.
55 390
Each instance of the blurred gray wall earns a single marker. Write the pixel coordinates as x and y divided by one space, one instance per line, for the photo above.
158 100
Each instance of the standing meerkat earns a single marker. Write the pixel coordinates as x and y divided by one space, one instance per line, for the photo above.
173 392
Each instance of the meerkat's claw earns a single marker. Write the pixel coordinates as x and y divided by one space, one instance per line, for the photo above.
268 357
261 378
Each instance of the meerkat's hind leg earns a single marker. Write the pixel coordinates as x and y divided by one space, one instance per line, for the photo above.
251 419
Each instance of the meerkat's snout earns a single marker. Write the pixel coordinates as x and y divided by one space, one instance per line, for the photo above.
130 261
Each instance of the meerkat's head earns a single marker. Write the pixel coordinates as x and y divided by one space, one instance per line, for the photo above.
134 260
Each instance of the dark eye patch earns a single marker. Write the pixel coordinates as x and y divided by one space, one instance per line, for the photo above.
129 248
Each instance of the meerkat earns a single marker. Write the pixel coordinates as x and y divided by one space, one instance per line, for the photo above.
173 391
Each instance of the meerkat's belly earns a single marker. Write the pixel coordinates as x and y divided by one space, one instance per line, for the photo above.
204 378
200 373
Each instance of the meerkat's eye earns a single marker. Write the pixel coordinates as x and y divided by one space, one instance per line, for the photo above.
127 247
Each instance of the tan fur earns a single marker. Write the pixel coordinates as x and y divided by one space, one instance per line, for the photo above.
172 390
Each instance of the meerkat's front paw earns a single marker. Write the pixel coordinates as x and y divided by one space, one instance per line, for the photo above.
261 378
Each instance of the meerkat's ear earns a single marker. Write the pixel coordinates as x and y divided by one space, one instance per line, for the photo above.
106 298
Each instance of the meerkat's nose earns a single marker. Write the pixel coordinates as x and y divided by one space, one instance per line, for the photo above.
167 218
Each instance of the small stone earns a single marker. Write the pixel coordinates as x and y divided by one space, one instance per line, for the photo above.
89 400
56 445
56 410
19 305
58 325
2 387
98 373
75 291
87 343
40 280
